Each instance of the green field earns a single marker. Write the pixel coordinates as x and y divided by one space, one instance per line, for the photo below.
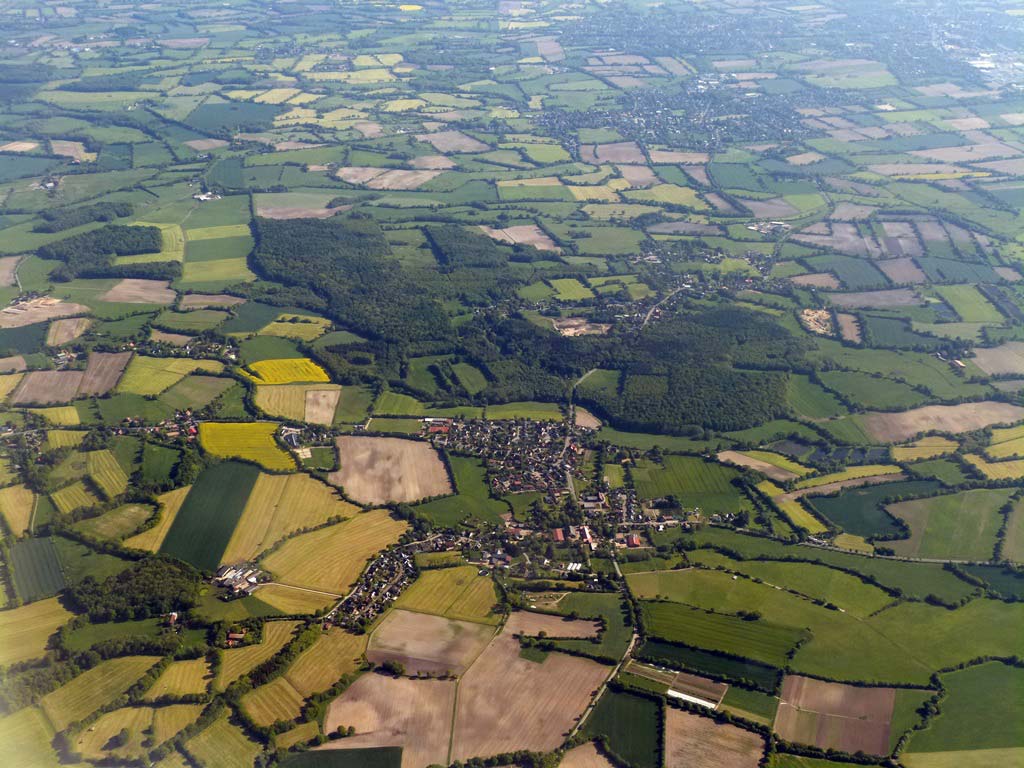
37 569
203 526
455 593
629 725
716 665
472 498
692 481
959 526
860 510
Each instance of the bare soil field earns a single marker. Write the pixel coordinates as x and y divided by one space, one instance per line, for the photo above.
62 331
73 149
627 152
637 175
279 212
136 291
38 311
102 372
19 146
671 156
851 212
321 404
903 270
532 624
965 417
204 145
402 179
585 756
1009 274
527 234
896 297
8 268
42 387
185 42
684 228
849 327
775 208
432 163
692 741
901 239
358 174
174 339
204 300
12 364
388 712
769 470
1007 358
538 705
840 235
448 142
835 716
805 158
817 280
971 153
375 470
428 644
586 419
579 326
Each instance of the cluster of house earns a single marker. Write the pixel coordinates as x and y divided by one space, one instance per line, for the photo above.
522 456
239 580
380 585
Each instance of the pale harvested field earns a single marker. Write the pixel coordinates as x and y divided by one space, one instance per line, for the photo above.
152 539
239 661
769 470
93 689
204 300
62 331
665 156
47 387
849 327
966 417
903 270
16 505
182 678
387 712
73 149
203 145
294 601
320 405
1007 358
102 372
430 644
12 364
692 741
292 401
402 179
527 234
774 208
625 152
8 268
896 297
537 704
284 212
835 716
174 339
358 174
334 654
432 162
277 700
532 624
585 756
331 559
376 470
638 175
278 506
851 212
450 142
586 419
137 291
19 146
38 311
25 631
817 280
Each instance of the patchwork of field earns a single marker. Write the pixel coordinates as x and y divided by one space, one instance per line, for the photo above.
377 470
835 716
162 722
153 375
427 644
331 558
236 662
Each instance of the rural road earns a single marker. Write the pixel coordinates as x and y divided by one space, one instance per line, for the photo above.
604 685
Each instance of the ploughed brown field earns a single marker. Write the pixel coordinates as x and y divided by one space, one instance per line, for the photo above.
396 712
692 741
532 624
965 417
425 643
376 470
138 291
835 716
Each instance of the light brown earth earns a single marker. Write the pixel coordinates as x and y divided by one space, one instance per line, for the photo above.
43 387
585 756
537 705
358 174
579 326
375 470
12 364
428 644
851 212
203 300
402 179
432 162
1007 358
38 311
388 712
531 624
450 142
965 417
280 212
775 208
817 280
19 146
637 175
62 331
692 741
8 270
896 297
903 270
527 234
73 149
1009 274
136 291
769 470
586 419
626 152
835 716
849 327
320 405
659 156
174 339
102 372
204 145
